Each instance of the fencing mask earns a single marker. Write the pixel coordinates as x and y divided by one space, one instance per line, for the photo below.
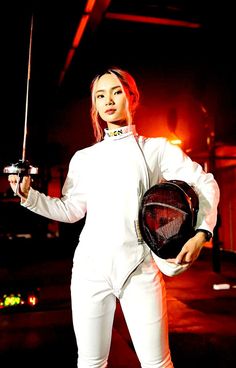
167 217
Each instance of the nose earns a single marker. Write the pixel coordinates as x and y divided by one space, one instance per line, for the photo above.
109 101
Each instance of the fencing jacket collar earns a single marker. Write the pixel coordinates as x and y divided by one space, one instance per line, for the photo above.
120 132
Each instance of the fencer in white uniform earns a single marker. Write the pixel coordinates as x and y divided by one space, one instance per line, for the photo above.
106 182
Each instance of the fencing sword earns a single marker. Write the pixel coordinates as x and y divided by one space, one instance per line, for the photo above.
23 167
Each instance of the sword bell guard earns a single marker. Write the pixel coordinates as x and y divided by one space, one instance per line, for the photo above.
22 168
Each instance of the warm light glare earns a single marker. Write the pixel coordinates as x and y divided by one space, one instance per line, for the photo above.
80 30
176 141
89 6
78 35
67 63
152 20
69 57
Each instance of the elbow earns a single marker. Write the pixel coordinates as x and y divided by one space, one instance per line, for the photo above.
75 216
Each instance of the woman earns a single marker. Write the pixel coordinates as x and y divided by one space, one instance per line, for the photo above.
106 182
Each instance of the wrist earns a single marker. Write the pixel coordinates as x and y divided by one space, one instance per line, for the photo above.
23 194
207 234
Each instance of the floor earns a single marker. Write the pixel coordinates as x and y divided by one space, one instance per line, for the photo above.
202 315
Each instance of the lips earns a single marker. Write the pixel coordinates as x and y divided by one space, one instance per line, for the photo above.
110 111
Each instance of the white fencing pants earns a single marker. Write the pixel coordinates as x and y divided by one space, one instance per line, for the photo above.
143 301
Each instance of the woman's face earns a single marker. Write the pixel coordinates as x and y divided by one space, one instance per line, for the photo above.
111 101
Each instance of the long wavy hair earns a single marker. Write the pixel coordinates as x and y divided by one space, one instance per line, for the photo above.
132 96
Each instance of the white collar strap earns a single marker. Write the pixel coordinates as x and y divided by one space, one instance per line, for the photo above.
120 132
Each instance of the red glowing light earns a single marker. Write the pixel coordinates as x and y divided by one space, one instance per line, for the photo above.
89 6
80 30
176 141
152 20
32 300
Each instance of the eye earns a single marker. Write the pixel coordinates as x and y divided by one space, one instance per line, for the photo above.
118 92
99 96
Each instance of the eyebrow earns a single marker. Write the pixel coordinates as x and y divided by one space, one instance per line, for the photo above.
103 90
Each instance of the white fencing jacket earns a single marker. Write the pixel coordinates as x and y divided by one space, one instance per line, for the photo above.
106 182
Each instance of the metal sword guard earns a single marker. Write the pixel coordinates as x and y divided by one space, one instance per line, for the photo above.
21 168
